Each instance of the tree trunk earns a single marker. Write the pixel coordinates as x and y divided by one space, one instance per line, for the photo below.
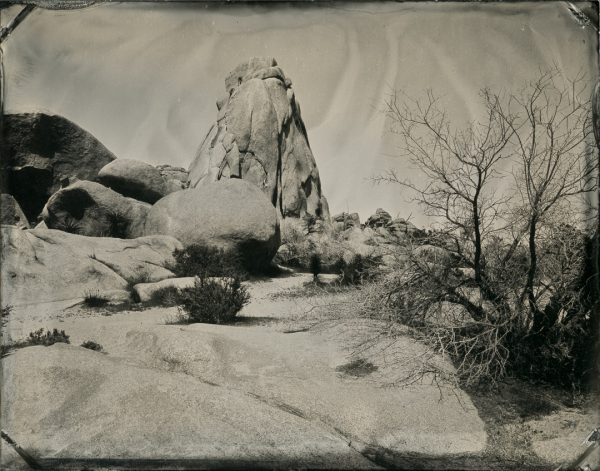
539 321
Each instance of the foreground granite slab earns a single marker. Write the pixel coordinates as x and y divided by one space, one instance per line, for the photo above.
207 396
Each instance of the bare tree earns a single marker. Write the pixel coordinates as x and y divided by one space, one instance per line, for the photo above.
460 167
551 122
495 237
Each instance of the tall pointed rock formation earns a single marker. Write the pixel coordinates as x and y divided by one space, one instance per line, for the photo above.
259 136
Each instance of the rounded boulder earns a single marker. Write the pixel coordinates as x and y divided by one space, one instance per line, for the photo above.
91 209
232 215
134 179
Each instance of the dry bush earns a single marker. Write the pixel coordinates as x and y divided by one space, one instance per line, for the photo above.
93 298
520 276
212 301
203 261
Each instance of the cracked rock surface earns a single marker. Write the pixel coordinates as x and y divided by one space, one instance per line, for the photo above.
42 265
256 392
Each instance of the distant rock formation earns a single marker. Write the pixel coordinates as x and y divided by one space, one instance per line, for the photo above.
260 137
233 215
382 222
344 221
42 153
381 218
41 265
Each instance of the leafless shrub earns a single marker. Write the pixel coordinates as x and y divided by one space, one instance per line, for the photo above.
516 276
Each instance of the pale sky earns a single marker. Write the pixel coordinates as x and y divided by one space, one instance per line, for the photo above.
144 79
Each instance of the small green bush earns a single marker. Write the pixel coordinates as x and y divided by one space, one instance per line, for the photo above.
202 261
91 345
212 301
94 299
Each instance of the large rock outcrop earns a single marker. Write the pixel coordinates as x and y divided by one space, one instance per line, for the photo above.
135 179
91 209
133 412
232 215
41 265
42 153
260 137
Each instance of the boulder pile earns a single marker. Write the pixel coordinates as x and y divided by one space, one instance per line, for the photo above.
42 153
254 169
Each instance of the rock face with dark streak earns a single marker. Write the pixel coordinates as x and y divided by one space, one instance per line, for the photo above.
42 153
260 137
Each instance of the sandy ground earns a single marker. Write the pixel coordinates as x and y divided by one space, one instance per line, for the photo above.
297 378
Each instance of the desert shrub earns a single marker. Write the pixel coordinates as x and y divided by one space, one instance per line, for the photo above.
37 337
358 270
167 296
5 311
299 252
46 337
94 299
91 345
295 245
203 261
118 224
531 305
292 231
69 224
213 301
492 338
